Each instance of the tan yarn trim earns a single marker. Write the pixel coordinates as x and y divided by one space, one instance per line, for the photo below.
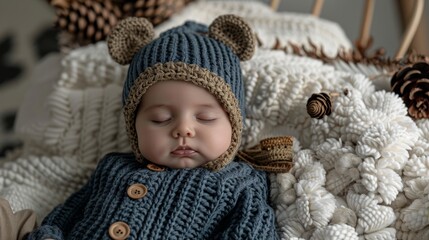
234 32
273 154
178 71
128 37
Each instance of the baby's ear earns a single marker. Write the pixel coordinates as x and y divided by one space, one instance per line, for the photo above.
128 37
234 32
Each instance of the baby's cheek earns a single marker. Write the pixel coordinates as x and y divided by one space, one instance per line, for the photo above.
153 144
220 143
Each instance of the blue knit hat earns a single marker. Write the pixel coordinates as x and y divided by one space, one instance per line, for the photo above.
208 57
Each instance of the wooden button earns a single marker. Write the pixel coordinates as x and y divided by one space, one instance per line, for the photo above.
155 168
137 191
119 231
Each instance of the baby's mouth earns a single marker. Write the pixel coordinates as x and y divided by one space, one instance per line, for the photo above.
183 151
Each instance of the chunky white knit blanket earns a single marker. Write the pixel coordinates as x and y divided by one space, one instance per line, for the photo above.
360 173
286 27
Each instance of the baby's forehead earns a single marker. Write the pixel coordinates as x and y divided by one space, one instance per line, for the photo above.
172 93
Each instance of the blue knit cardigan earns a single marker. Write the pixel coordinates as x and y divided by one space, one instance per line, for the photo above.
180 204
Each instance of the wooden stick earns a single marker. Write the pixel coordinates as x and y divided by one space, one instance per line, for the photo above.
421 39
365 37
317 7
275 4
411 28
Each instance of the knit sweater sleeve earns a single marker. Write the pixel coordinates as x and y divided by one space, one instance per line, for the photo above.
63 218
252 217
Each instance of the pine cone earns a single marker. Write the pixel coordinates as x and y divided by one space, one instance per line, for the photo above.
156 11
319 105
411 83
87 21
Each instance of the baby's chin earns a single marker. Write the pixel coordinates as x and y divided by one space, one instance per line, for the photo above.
186 163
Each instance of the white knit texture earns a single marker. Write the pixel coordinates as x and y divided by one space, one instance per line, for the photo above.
297 28
370 152
85 123
41 182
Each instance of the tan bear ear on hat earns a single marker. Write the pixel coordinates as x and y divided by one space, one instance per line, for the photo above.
234 32
128 37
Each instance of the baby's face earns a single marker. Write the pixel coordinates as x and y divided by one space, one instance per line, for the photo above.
180 125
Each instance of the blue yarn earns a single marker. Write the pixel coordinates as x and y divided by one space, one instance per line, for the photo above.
180 204
190 44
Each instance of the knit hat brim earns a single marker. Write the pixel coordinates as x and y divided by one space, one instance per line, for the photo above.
179 71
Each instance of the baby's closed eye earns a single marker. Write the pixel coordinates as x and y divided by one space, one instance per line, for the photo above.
207 117
160 117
